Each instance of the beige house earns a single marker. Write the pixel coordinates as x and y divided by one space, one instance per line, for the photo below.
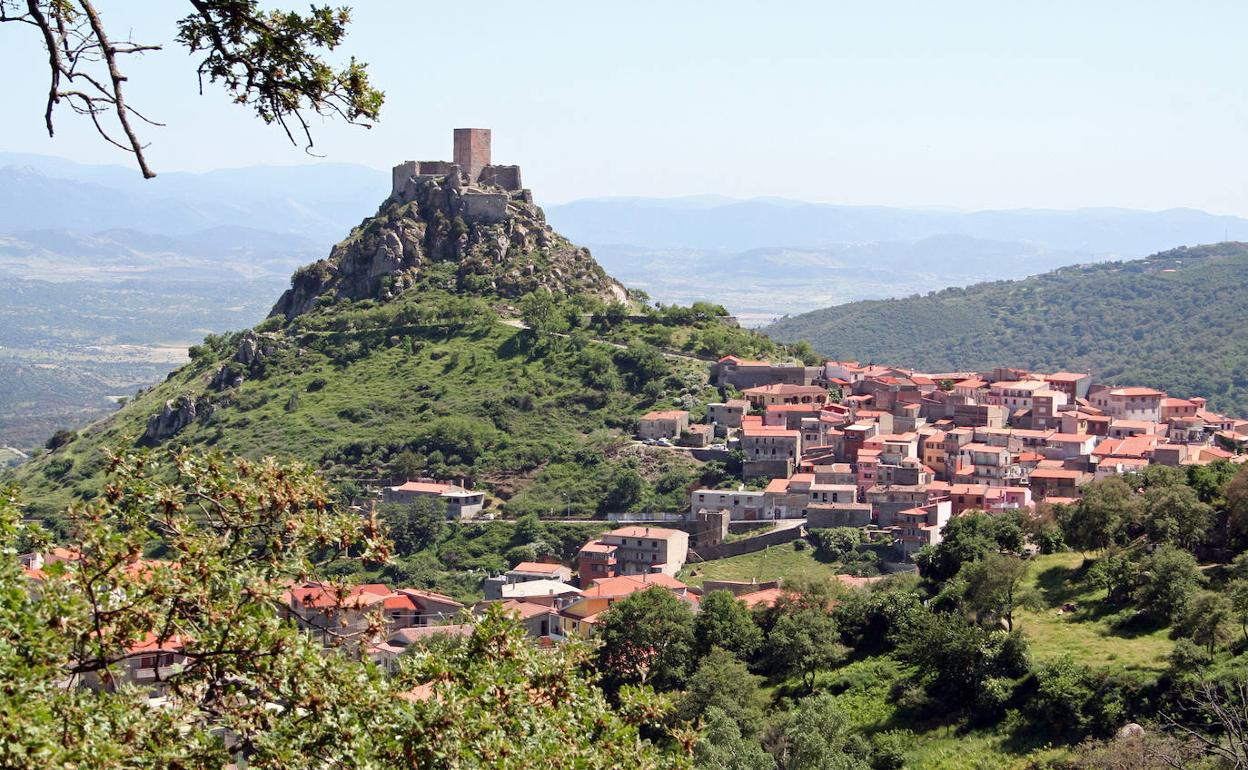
460 503
668 424
649 549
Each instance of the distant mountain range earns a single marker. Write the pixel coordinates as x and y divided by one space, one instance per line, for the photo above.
316 201
1177 320
714 223
769 256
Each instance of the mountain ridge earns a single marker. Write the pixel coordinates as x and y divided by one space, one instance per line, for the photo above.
1174 320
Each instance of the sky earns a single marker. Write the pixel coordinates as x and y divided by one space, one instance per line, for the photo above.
970 105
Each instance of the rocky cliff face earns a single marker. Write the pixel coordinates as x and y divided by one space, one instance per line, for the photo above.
498 240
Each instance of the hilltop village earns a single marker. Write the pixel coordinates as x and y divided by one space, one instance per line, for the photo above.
891 452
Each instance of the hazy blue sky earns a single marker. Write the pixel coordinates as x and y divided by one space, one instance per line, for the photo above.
964 104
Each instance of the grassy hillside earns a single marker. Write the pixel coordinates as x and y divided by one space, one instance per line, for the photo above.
434 382
1177 320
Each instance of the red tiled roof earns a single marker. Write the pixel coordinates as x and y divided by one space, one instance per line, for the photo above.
766 597
1054 473
425 487
538 566
1136 392
658 533
777 486
670 414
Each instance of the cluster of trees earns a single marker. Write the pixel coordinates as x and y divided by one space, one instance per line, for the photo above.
252 689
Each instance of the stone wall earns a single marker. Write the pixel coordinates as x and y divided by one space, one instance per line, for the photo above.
485 207
738 587
400 174
506 177
748 545
823 516
410 168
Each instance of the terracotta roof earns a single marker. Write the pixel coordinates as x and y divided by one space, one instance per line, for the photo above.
1066 377
426 487
658 533
777 486
625 585
538 566
1137 392
429 595
526 609
1055 473
767 597
670 414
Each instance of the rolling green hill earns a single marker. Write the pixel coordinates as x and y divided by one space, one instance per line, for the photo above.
1177 320
493 352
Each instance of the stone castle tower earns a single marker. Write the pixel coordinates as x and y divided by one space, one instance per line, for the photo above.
484 188
472 151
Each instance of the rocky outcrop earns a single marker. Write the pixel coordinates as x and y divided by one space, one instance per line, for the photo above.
253 350
498 239
178 413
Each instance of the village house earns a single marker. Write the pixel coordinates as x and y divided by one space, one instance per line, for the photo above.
742 373
727 415
460 503
633 551
770 452
332 615
768 395
1074 384
579 619
919 526
667 424
1128 403
536 570
1057 482
742 504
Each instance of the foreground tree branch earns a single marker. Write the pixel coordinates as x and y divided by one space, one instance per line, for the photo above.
269 61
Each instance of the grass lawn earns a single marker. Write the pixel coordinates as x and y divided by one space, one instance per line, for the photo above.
1083 634
778 561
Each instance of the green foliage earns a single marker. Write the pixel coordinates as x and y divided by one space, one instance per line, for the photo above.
268 61
415 526
60 439
723 747
1186 331
994 587
966 539
1101 517
834 544
723 682
647 638
801 643
1168 580
725 622
235 534
957 662
497 701
1175 514
818 734
1073 701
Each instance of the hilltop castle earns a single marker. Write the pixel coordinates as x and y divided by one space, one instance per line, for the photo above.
485 188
